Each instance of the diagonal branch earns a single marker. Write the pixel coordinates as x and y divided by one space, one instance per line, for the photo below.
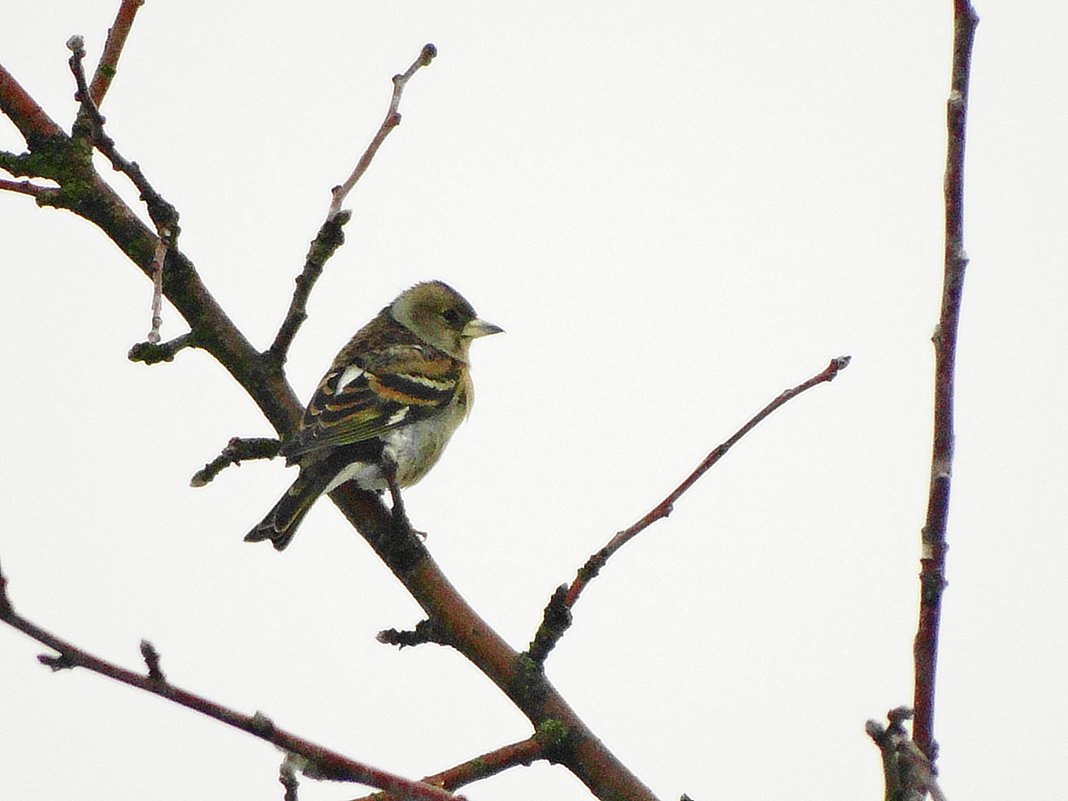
933 555
558 612
323 763
481 767
16 104
392 120
330 235
109 59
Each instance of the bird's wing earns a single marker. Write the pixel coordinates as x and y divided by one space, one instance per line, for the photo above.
364 397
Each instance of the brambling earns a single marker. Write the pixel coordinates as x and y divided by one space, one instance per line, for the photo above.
385 410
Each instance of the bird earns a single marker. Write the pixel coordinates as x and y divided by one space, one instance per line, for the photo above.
386 408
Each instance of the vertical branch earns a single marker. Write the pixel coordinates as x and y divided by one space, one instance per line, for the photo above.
933 555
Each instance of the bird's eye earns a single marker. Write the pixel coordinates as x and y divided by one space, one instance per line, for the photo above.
452 317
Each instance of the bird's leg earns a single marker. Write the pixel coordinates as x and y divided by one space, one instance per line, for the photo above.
400 517
401 524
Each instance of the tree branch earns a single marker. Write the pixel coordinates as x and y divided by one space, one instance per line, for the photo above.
557 617
391 121
933 554
237 450
90 123
330 236
109 59
31 120
323 762
481 767
26 188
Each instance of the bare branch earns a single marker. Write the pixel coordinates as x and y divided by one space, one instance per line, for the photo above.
481 767
328 240
31 120
933 555
330 236
26 188
391 121
425 631
159 258
109 59
90 121
153 353
236 451
324 762
557 614
90 124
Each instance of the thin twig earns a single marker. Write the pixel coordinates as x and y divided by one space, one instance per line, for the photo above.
91 123
584 754
330 236
26 188
557 613
109 59
165 216
328 240
933 555
153 353
391 121
159 258
481 767
237 450
327 764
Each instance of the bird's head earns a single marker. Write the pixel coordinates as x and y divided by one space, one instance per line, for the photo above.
440 316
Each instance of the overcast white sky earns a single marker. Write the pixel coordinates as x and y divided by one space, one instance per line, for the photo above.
676 210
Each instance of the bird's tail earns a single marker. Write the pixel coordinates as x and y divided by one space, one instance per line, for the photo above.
282 521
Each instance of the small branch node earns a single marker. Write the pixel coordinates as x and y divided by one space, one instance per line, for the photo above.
262 725
426 631
156 352
908 773
151 657
57 663
556 620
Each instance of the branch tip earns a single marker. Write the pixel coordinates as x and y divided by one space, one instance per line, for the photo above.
236 451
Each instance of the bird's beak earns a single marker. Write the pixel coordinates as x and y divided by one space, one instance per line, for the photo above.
480 328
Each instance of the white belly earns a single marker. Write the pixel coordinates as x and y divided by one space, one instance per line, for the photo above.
415 448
